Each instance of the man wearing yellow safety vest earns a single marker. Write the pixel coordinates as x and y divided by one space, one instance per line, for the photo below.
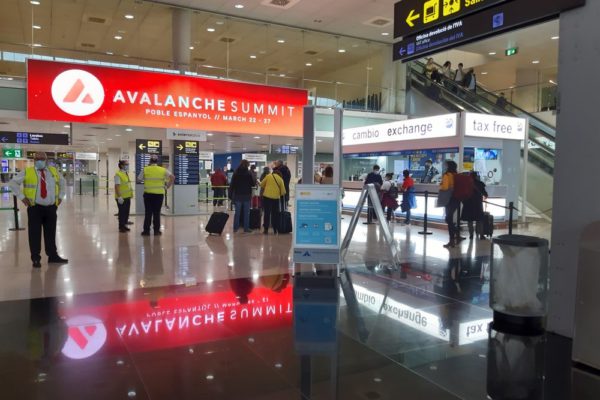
43 191
123 194
156 179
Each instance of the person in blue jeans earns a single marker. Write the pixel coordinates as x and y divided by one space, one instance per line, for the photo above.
242 184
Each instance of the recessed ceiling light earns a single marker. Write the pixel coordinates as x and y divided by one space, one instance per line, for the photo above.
280 41
385 34
239 6
492 53
308 64
555 37
341 50
282 75
37 45
117 135
535 62
108 139
191 47
66 126
128 130
252 56
36 27
319 140
118 37
210 29
129 16
219 22
231 141
484 73
35 3
256 137
210 134
210 377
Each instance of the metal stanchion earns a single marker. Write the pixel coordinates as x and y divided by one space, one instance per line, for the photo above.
511 207
207 194
80 187
425 219
16 213
107 184
93 188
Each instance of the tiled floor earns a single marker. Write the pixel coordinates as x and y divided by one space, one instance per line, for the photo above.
185 315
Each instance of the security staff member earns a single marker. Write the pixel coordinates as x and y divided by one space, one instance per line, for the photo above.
123 194
43 191
155 180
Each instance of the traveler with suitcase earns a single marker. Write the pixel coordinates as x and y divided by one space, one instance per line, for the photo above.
242 186
273 192
472 211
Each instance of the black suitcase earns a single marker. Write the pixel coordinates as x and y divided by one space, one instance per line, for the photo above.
486 225
216 223
285 222
255 217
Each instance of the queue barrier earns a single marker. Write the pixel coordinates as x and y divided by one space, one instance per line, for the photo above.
15 210
87 186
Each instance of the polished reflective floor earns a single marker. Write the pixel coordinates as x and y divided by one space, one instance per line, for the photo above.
185 315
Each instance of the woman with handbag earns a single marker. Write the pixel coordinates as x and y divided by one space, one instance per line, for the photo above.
273 190
447 200
409 200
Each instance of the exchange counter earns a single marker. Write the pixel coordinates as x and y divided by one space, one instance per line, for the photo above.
497 198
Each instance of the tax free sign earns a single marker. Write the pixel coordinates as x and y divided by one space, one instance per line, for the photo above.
495 126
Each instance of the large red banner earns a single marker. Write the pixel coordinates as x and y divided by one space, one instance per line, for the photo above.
85 93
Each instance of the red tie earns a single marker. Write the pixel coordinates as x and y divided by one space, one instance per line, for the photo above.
43 190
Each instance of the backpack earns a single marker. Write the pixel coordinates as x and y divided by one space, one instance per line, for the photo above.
463 187
393 192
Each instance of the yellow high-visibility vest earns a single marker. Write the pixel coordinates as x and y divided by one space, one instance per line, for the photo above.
154 179
30 184
125 190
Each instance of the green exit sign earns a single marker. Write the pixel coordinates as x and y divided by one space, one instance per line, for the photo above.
512 51
11 153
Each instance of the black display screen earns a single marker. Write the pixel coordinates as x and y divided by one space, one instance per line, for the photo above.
143 150
186 163
34 138
492 21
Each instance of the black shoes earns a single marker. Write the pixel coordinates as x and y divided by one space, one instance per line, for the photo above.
37 264
145 233
157 233
129 222
57 260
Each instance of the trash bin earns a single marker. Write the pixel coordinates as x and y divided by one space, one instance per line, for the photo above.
519 283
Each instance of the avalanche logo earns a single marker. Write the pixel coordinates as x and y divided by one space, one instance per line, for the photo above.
77 92
87 335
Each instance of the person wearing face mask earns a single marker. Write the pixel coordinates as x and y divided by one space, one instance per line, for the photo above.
42 193
156 179
123 194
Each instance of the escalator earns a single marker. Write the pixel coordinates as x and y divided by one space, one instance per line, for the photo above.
456 98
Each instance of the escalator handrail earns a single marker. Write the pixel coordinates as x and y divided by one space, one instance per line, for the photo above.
463 104
548 130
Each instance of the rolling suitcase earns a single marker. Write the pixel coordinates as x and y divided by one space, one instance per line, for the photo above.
255 217
216 223
486 225
285 222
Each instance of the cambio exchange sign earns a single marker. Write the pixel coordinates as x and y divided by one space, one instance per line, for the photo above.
412 129
92 94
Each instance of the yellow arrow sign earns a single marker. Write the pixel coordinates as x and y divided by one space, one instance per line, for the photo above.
142 147
411 17
180 147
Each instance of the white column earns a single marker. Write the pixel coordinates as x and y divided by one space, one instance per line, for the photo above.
577 196
181 38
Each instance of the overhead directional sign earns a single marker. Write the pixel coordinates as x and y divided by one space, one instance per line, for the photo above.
491 21
33 138
412 16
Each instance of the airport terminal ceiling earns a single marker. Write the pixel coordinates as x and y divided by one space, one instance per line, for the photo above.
139 32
